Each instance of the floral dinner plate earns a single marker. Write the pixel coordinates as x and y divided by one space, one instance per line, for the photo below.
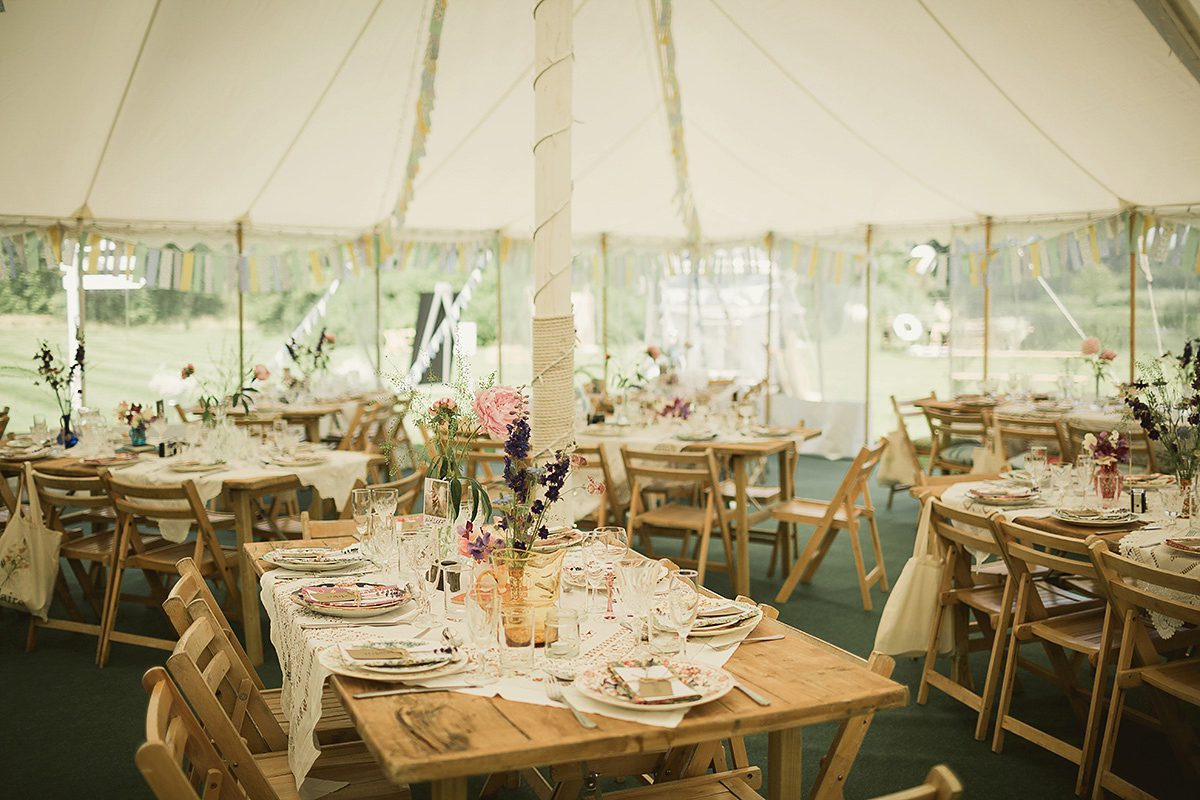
701 683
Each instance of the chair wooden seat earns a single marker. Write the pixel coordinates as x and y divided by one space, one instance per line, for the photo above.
956 432
349 765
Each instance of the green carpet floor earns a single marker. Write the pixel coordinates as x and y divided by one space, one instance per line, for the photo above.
69 729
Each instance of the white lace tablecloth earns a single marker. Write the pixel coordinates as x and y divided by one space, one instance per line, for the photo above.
304 676
333 479
1144 545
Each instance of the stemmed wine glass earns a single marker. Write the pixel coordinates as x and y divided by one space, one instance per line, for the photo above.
611 544
595 566
385 501
386 546
636 578
482 604
360 500
683 604
419 552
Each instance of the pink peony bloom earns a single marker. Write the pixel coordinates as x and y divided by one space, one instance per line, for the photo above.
1108 355
187 372
261 372
1090 346
499 407
654 352
446 403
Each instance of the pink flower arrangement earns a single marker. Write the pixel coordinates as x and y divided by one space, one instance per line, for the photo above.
443 404
499 407
1098 358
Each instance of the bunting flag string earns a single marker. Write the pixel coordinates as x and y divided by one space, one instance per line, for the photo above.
674 108
423 123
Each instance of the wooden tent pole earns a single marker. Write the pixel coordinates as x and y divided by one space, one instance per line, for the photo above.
241 306
497 249
604 307
987 294
378 320
82 316
1133 257
870 276
769 243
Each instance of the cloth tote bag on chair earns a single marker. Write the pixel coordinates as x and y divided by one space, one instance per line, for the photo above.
28 555
904 625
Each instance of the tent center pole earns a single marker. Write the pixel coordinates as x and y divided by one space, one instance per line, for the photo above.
870 277
769 244
1133 259
604 310
987 294
241 308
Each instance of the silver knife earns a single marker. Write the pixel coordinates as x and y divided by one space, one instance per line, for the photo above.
414 690
753 695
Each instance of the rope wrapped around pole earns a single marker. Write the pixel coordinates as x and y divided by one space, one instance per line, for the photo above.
553 390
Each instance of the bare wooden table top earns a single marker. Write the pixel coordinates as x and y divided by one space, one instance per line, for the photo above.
444 737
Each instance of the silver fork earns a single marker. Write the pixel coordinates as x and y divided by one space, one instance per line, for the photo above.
555 693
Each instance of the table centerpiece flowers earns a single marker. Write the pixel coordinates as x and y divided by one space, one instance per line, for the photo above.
1165 402
1099 359
57 373
309 359
137 417
1107 449
228 389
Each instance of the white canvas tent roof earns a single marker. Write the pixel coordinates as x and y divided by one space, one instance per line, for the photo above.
799 117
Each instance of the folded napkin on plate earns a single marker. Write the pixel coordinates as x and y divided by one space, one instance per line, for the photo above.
396 655
352 595
652 684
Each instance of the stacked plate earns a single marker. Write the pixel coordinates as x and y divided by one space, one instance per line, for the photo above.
697 436
298 460
1095 517
1004 495
111 460
314 559
654 684
351 599
197 465
1151 481
720 616
1189 546
16 450
394 660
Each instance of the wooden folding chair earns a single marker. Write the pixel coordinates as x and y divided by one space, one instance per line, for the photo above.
246 733
80 508
692 505
940 784
136 505
1018 433
960 535
614 503
908 412
840 513
1134 592
1085 632
1141 449
190 599
955 432
906 454
178 760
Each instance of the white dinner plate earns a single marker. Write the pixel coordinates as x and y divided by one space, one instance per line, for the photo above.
716 628
196 466
599 684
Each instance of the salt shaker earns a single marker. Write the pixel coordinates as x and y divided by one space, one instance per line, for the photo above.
1137 500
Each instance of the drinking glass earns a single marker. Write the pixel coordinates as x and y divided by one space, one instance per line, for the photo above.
562 633
456 576
1035 464
385 501
386 547
1172 500
482 610
39 433
418 552
516 639
360 500
1061 476
595 567
683 604
635 579
747 410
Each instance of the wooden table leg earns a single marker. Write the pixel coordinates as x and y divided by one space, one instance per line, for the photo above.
244 524
449 788
783 765
741 581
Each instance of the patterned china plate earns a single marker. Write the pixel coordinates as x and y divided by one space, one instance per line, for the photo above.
1098 519
115 458
601 685
196 465
1189 546
313 559
1148 481
702 436
746 619
427 656
351 610
298 461
332 660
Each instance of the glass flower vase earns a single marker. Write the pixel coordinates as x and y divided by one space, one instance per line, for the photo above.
531 577
66 437
137 436
1108 483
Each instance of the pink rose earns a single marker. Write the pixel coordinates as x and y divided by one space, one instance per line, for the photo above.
261 372
654 352
1090 346
329 338
499 407
187 372
1108 355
